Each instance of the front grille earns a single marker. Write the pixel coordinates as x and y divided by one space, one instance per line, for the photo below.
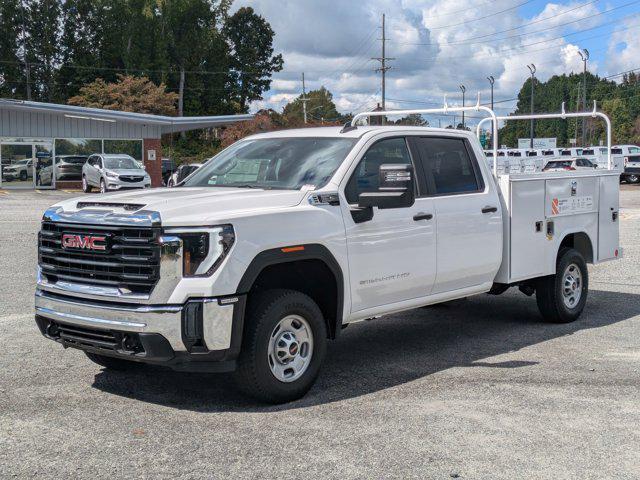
130 259
130 178
77 336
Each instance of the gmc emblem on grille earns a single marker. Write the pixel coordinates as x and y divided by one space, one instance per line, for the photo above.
84 242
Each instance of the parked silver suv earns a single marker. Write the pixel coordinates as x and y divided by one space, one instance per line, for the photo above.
113 172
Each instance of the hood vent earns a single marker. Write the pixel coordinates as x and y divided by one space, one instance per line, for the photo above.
129 207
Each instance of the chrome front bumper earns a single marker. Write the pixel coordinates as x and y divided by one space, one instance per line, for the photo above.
218 318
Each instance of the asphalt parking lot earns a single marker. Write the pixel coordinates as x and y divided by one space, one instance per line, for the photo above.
478 389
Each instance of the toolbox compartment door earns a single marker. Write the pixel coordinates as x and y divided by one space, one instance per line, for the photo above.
608 220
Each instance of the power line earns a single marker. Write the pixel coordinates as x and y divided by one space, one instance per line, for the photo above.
483 17
466 42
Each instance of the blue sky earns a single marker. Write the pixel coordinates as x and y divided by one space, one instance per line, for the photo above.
440 44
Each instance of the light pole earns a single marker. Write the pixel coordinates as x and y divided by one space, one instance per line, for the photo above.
532 69
463 89
491 81
584 54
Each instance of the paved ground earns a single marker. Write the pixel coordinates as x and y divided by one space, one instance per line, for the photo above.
480 389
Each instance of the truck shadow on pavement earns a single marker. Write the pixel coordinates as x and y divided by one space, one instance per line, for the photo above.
389 352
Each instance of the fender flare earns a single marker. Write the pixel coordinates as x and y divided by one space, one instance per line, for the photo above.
309 251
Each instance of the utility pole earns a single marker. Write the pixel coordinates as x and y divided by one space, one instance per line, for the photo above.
304 100
27 71
532 69
584 54
491 81
383 67
463 89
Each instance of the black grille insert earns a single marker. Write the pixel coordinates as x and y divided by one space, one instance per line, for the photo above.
131 261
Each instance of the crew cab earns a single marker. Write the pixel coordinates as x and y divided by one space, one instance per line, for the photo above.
273 246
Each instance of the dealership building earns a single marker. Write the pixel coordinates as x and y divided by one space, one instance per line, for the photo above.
43 145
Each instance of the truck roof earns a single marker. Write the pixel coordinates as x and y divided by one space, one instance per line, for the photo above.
353 133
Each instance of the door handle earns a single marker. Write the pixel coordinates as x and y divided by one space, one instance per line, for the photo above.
422 216
489 209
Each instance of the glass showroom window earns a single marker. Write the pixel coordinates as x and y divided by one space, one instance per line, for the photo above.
130 147
71 154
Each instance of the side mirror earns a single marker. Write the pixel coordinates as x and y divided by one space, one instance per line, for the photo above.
396 190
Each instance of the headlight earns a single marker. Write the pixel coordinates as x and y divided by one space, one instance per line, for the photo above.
203 250
111 174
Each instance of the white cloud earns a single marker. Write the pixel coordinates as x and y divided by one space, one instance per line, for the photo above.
437 45
624 47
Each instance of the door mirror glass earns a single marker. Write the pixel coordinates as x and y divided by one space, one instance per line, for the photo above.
396 188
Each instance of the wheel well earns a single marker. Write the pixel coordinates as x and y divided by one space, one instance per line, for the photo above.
581 242
313 278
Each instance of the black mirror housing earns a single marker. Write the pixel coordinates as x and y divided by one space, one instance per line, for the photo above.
396 188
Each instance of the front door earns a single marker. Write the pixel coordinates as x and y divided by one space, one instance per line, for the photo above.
392 257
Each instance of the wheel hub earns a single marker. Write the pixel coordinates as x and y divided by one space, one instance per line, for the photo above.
290 348
572 286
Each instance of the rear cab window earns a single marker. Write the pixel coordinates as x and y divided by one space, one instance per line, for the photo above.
448 166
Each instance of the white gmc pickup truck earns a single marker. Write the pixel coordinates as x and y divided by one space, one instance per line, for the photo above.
281 240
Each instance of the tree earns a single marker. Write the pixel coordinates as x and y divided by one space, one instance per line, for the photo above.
130 94
42 46
414 119
250 39
320 108
12 81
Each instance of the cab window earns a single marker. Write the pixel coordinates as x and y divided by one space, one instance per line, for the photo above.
448 166
365 178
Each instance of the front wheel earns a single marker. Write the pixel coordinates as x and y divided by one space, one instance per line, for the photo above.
283 346
633 178
86 188
561 297
103 186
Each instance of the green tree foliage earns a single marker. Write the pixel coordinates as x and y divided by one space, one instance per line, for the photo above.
11 69
250 39
194 47
620 101
320 108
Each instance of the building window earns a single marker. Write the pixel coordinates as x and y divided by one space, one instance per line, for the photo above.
71 154
130 147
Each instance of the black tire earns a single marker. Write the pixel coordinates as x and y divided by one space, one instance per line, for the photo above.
103 186
112 363
265 310
549 290
86 188
23 176
633 178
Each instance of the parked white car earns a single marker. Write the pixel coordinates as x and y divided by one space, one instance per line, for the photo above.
113 172
569 164
19 170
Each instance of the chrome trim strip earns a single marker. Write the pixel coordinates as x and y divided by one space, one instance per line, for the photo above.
141 218
47 312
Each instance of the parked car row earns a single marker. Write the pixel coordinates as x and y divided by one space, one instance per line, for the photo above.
625 158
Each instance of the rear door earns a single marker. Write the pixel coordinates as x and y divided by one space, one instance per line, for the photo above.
467 215
392 257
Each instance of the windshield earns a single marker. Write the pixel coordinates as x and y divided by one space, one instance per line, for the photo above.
120 163
559 164
282 163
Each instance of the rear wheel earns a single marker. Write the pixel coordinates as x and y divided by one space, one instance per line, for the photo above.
283 346
561 297
111 363
86 188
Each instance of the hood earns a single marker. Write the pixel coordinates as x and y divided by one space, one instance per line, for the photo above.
136 172
190 206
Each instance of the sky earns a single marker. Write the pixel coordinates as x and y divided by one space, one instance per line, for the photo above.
438 45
